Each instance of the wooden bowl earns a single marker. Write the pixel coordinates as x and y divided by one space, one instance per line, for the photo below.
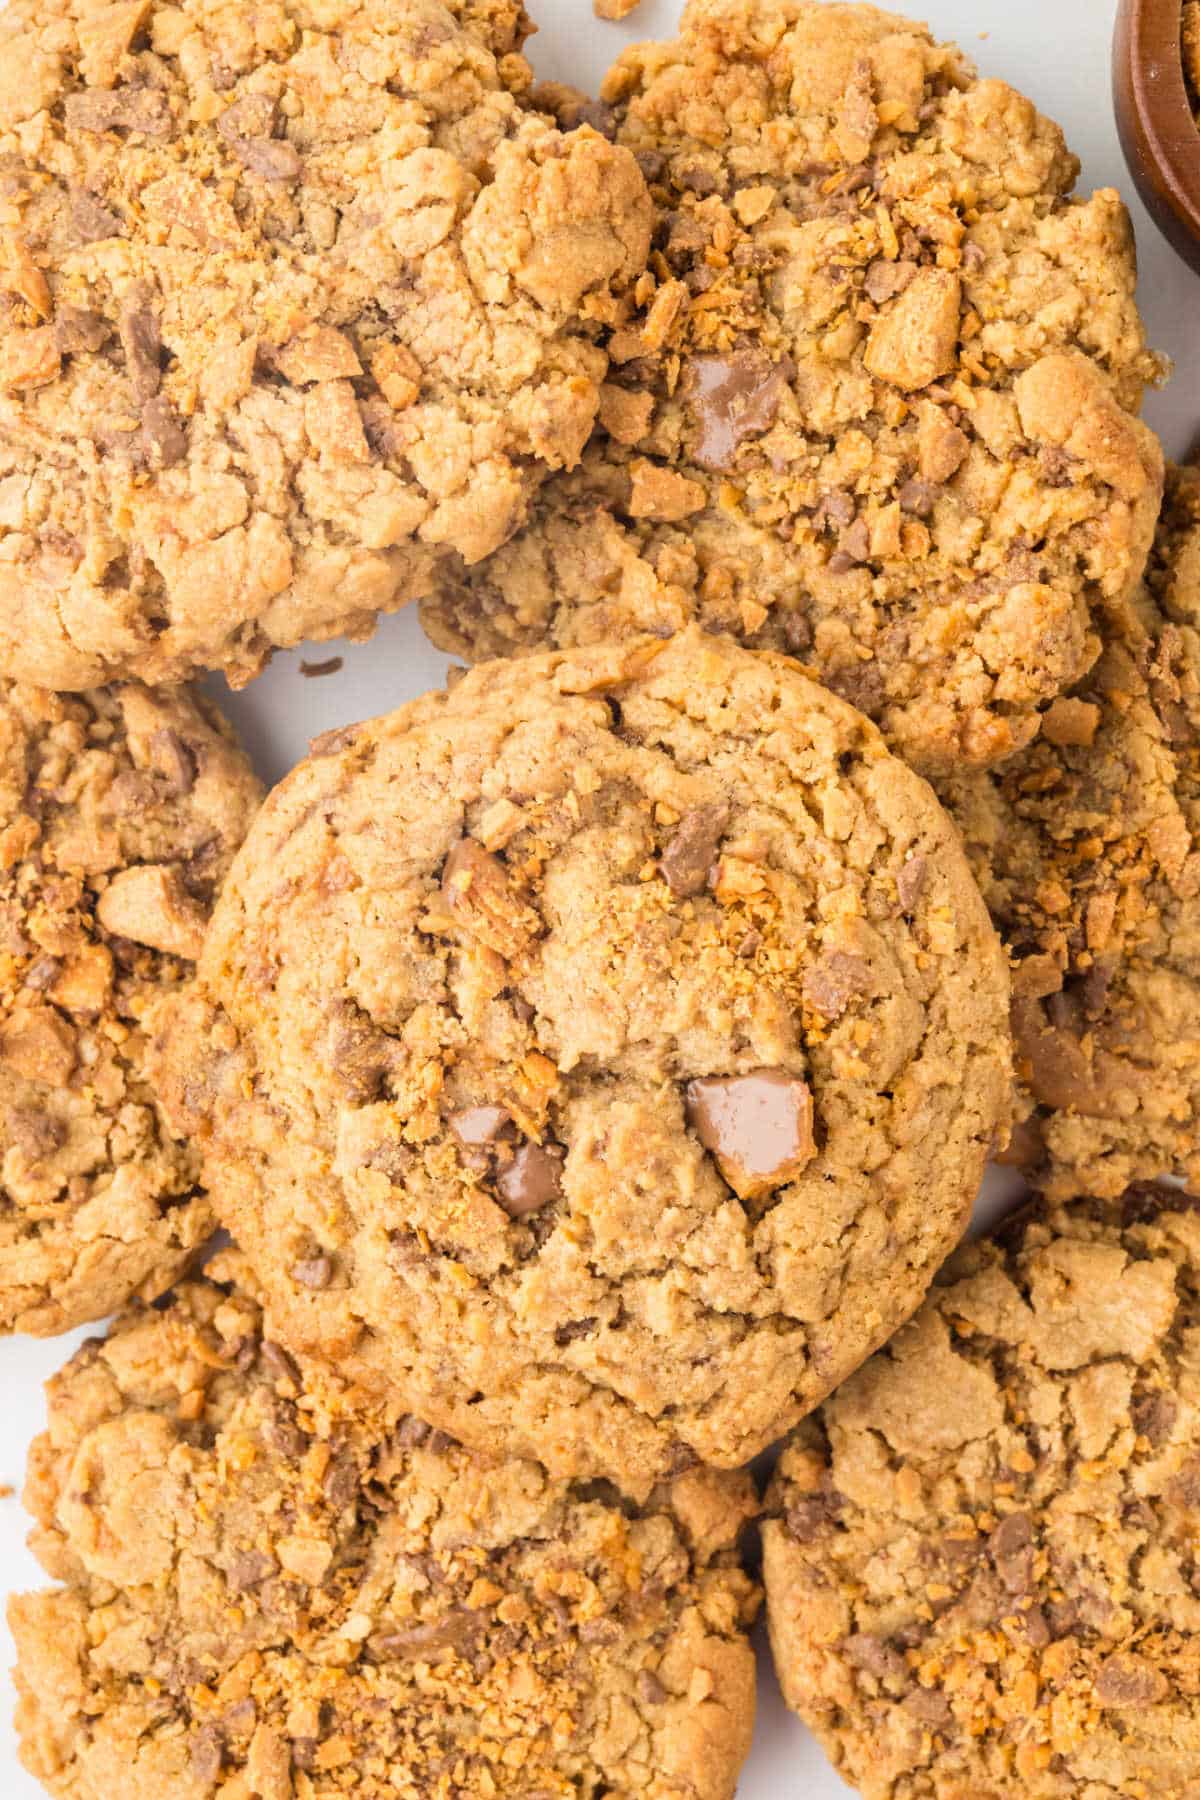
1159 133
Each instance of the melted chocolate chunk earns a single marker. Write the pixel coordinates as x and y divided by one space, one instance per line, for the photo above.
759 1127
530 1181
734 398
688 857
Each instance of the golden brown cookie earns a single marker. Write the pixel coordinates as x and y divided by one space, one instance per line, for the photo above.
878 406
120 811
981 1561
602 1055
290 301
1087 848
272 1589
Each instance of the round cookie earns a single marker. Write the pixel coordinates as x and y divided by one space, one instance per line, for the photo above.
271 1589
878 406
981 1556
1087 849
120 811
289 303
603 1055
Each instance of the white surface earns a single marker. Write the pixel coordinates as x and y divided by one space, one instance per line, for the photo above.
1057 51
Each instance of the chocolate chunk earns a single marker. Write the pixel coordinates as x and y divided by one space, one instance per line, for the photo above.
249 1569
918 497
163 439
865 1651
77 330
271 158
278 1363
834 508
836 980
855 543
253 115
1036 1626
91 221
910 882
330 743
478 1126
174 759
1011 1549
1153 1417
811 1516
688 857
120 109
141 340
928 1705
411 1432
429 1643
484 901
759 1127
531 1180
650 1689
314 671
1130 1681
246 127
884 279
35 1133
208 1753
313 1272
734 398
341 1481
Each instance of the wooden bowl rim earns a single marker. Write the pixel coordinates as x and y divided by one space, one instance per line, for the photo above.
1150 41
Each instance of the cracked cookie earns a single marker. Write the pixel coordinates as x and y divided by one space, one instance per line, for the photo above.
603 1055
120 811
878 406
981 1557
289 302
271 1588
1087 849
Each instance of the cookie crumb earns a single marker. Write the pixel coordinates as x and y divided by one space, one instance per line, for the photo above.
613 10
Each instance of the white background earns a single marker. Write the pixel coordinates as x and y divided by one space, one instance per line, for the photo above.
1058 52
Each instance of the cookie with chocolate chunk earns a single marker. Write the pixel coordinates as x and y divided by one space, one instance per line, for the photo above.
879 406
601 1056
981 1556
272 1588
290 304
1087 849
120 811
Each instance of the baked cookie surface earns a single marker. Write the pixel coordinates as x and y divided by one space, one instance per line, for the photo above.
120 811
604 1054
270 1589
291 302
878 407
1087 849
981 1560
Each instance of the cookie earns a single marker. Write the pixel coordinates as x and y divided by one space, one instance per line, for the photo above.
980 1561
271 1589
120 811
290 305
603 1055
1087 848
878 406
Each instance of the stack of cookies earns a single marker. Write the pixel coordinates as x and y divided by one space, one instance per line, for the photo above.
592 1065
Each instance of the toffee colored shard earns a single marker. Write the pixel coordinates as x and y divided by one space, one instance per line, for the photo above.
879 406
271 1589
586 1027
1087 849
120 811
980 1554
291 304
